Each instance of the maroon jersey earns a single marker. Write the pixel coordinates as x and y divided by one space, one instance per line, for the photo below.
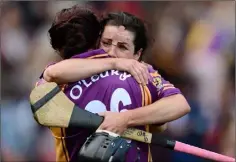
111 90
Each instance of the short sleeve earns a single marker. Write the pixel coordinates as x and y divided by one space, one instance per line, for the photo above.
162 87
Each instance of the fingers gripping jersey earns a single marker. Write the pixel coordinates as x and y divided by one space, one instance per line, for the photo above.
111 90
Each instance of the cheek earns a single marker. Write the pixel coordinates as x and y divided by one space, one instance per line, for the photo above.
128 55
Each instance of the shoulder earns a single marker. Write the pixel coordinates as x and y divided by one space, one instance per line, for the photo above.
156 78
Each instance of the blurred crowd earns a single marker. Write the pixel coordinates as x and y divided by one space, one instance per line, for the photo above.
193 47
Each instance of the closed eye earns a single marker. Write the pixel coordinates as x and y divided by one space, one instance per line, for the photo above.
123 47
106 43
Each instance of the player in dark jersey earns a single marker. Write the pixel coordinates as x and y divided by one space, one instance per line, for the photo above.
110 90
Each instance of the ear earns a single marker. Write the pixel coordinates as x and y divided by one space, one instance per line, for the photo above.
138 54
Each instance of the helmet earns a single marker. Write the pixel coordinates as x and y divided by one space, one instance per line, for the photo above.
104 146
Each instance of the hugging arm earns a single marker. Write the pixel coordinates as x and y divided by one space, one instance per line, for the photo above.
162 111
168 106
72 70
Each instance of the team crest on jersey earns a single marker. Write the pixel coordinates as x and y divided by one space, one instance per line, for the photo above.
157 82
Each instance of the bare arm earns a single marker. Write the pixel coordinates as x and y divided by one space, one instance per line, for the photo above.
162 111
72 70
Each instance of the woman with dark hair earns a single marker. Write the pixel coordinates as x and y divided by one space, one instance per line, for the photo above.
74 30
123 38
71 33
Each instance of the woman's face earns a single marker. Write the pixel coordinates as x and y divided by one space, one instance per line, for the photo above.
118 42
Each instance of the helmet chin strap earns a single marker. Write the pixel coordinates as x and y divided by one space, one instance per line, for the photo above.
110 133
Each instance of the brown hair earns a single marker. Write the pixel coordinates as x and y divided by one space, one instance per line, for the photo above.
131 23
74 30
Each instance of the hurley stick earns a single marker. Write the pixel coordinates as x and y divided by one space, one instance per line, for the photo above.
51 107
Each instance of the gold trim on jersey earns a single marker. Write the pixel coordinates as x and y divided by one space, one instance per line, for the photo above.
60 143
146 100
98 56
165 88
168 85
142 95
60 136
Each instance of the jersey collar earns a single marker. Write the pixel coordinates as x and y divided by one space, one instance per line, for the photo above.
90 54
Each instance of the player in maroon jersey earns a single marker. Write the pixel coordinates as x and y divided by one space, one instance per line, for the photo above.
105 91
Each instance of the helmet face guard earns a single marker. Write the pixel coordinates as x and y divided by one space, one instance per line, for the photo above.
103 147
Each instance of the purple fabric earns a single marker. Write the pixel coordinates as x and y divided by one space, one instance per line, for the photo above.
111 90
89 53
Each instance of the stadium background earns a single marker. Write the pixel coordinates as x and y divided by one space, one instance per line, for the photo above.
194 49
